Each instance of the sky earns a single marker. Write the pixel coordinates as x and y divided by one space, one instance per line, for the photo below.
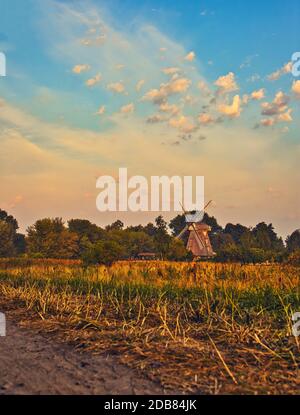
201 88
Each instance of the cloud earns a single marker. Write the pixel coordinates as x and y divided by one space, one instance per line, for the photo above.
101 110
226 83
233 110
247 62
296 89
267 122
206 119
175 86
170 70
95 41
285 116
94 81
127 109
287 68
278 105
183 124
78 69
203 88
119 66
139 85
254 78
169 108
117 87
258 95
156 118
190 57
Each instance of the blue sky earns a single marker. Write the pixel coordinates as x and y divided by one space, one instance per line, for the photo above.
204 86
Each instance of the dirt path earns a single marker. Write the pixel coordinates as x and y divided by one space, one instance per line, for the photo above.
31 363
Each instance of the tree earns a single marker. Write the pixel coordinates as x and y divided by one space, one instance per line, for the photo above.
236 231
161 238
137 242
9 219
7 247
266 237
293 241
221 240
118 225
50 239
212 222
87 233
177 224
177 251
104 252
11 242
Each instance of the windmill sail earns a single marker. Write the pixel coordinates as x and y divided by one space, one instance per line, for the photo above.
198 241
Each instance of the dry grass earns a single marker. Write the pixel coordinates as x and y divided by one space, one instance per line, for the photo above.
196 328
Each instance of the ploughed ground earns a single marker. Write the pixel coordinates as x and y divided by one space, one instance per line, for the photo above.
36 363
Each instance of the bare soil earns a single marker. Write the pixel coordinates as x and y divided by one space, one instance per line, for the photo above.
34 363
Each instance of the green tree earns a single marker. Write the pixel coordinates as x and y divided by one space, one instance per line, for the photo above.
104 252
236 231
118 225
266 237
49 238
11 242
293 241
7 238
87 233
177 251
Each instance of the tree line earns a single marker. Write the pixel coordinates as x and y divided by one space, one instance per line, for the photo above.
81 239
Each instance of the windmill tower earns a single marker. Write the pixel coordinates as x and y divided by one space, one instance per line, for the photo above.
197 233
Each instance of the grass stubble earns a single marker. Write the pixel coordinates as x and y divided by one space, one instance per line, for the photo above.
194 328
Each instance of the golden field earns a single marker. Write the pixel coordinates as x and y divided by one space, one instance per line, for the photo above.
201 328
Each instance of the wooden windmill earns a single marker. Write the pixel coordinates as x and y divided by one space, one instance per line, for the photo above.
198 241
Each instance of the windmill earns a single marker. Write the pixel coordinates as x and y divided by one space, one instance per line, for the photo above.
198 241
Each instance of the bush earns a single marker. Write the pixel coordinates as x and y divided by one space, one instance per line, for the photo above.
105 253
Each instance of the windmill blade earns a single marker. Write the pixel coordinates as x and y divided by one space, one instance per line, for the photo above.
206 206
182 232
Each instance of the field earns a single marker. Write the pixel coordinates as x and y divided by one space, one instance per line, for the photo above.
195 328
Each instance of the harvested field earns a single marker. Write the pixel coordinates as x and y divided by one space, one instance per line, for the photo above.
191 328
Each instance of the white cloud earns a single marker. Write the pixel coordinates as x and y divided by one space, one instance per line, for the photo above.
117 87
94 81
206 119
233 110
190 57
296 88
183 124
101 110
287 68
169 108
268 122
286 116
258 95
95 41
278 105
127 109
119 66
174 86
140 85
78 69
170 70
226 83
